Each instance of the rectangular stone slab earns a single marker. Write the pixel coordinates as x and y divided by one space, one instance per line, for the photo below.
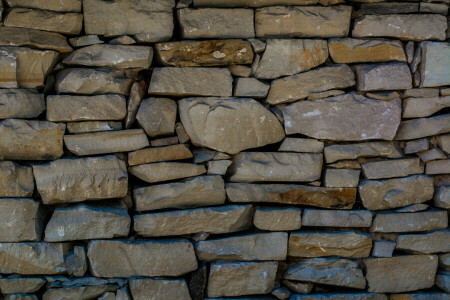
423 127
386 76
165 171
148 288
435 65
55 5
369 149
158 154
15 180
433 242
392 168
20 103
424 107
336 218
410 222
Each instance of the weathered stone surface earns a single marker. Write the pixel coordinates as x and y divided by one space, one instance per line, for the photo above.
336 218
365 50
30 140
122 40
299 287
301 145
435 64
419 128
434 242
320 244
20 297
173 140
148 288
346 164
419 296
421 93
76 264
55 5
341 177
20 103
242 70
15 180
336 198
218 167
290 56
416 146
92 81
413 208
221 219
137 93
87 222
83 289
113 56
442 197
408 222
277 219
341 296
365 118
14 285
438 167
300 86
239 279
149 155
106 142
432 154
157 116
66 23
388 76
85 40
383 248
75 180
329 271
392 168
443 142
64 108
93 126
141 258
8 69
437 8
326 94
216 23
251 3
164 171
398 192
32 258
276 166
406 273
405 27
205 53
443 279
198 191
250 87
172 81
369 149
297 21
147 21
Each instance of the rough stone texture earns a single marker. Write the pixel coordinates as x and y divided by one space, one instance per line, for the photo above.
423 107
365 118
388 8
369 149
75 180
390 76
408 222
157 116
15 285
251 3
443 142
150 155
434 67
137 92
406 273
141 258
54 5
341 177
416 146
250 87
85 40
20 103
93 126
15 180
76 263
148 288
392 168
277 219
231 125
218 167
419 128
438 167
164 171
337 218
341 296
383 248
442 197
301 145
434 242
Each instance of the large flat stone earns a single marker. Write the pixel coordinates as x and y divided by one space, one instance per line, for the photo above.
387 76
369 149
435 64
157 116
397 192
141 258
164 171
75 180
221 219
15 180
392 168
229 125
409 222
423 127
198 191
157 154
365 118
424 107
55 5
153 288
336 218
20 103
433 242
276 166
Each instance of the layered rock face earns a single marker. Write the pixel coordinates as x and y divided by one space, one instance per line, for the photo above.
224 149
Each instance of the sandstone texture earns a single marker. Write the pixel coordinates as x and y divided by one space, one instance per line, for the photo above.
423 127
277 219
433 242
390 76
15 180
157 154
369 149
434 66
401 222
392 168
142 289
54 5
337 218
165 171
21 103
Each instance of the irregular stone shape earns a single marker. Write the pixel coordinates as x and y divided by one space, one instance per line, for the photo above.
229 125
218 167
259 246
299 287
413 208
65 23
122 40
444 261
423 127
300 86
76 263
15 36
443 142
31 66
216 23
290 56
434 242
137 93
406 273
442 197
92 81
168 153
365 118
32 258
298 21
113 56
392 168
93 126
80 291
277 219
329 271
341 296
301 145
30 140
251 3
434 68
157 116
8 69
215 220
147 21
165 171
276 166
336 198
20 103
87 222
106 142
149 288
389 8
205 53
416 146
337 218
397 192
250 87
419 296
141 258
198 191
64 108
20 297
320 244
369 149
86 40
22 220
15 180
172 81
408 222
341 177
54 5
388 76
239 279
383 248
75 180
438 167
16 285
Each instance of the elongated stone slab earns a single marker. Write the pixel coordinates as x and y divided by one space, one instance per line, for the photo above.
93 126
55 5
165 171
221 219
141 258
435 64
423 127
365 118
157 154
392 168
336 198
75 180
424 107
13 285
277 219
251 3
148 288
369 149
387 76
409 222
198 191
433 242
15 180
340 296
20 103
336 218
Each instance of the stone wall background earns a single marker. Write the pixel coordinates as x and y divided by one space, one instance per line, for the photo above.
224 149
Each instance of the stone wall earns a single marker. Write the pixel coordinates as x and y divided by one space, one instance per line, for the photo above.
226 149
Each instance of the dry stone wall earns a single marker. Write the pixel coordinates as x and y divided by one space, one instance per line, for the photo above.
224 149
